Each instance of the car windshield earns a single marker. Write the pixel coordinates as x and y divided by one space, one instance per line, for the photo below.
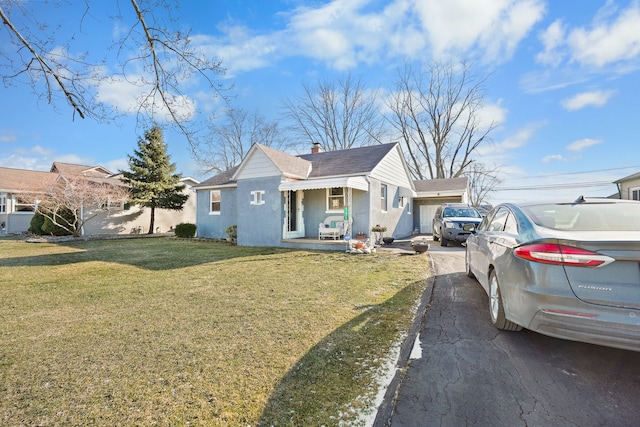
588 216
460 213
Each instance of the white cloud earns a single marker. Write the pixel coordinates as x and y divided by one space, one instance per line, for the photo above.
7 135
496 27
346 33
610 38
586 99
131 94
552 39
553 157
582 144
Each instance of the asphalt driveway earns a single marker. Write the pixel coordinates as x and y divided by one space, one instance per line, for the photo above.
456 369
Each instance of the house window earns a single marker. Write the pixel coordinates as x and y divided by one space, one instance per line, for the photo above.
214 196
335 199
3 203
20 204
634 193
257 197
383 197
401 202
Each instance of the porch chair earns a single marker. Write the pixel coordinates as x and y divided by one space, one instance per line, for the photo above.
333 227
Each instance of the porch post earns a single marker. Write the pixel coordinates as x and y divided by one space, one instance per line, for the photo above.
350 210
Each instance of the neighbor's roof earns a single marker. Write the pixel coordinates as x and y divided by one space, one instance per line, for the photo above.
13 180
628 178
69 169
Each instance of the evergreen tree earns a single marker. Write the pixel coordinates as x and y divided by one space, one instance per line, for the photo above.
154 183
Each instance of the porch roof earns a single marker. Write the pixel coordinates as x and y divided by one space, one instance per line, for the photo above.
357 182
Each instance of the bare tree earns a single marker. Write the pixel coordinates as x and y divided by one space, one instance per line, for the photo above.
231 138
436 114
336 115
482 182
157 60
71 202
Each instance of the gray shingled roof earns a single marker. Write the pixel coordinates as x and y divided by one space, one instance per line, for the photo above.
288 164
353 161
223 178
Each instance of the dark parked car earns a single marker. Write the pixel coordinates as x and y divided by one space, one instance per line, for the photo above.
569 270
454 222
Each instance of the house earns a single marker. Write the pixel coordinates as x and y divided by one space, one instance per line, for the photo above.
629 187
431 193
17 209
278 199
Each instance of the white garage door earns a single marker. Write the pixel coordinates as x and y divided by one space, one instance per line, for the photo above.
426 218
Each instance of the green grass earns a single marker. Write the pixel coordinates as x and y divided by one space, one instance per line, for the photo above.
177 332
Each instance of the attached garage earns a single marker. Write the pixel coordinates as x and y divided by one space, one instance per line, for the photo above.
432 193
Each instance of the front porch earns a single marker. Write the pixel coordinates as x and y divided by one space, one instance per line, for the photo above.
314 243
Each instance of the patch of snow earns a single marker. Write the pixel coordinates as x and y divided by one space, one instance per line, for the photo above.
416 351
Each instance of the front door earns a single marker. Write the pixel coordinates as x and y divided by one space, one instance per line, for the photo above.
294 222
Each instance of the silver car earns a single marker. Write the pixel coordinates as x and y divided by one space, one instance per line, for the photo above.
569 270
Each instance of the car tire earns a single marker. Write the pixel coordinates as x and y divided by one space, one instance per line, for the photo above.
467 265
496 306
435 236
443 242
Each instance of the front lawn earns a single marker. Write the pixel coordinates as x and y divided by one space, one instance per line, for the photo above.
174 332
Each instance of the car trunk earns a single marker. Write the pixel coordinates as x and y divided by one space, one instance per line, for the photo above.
616 284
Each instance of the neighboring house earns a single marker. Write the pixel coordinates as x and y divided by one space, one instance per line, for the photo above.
629 187
16 213
277 199
432 193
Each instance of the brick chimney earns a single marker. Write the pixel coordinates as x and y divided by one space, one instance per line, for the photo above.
316 148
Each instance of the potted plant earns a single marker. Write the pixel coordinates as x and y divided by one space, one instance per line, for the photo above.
379 230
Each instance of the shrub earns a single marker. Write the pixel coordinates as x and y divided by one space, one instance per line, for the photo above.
185 230
232 231
64 217
35 226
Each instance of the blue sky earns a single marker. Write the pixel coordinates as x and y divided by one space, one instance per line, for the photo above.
563 79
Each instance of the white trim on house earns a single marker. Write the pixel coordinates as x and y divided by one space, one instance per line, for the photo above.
357 182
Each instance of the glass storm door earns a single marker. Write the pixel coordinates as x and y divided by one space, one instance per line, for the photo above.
294 222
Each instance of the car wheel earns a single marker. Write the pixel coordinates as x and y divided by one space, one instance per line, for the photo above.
443 241
467 265
496 306
435 236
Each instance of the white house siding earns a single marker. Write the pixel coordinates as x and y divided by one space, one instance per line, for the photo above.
398 220
627 188
258 165
391 170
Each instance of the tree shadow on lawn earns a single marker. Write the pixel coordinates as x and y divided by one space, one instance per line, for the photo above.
329 381
141 253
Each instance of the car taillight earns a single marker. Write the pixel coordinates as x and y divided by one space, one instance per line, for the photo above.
551 253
